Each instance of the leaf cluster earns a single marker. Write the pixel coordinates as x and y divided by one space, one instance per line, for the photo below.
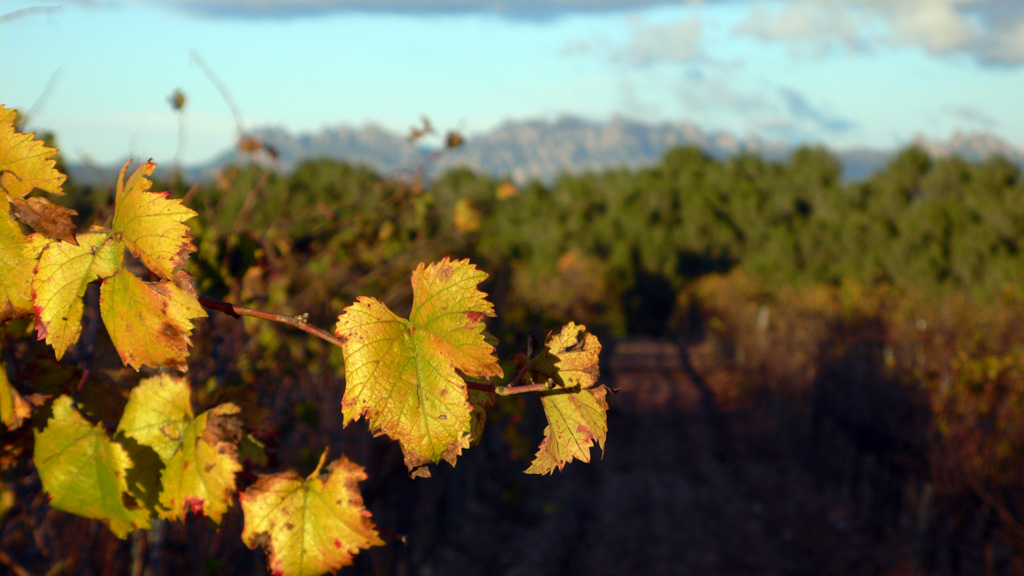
425 381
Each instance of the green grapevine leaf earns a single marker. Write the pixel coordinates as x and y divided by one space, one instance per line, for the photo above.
309 527
149 324
18 257
63 274
576 408
13 408
84 472
200 454
151 224
26 164
404 374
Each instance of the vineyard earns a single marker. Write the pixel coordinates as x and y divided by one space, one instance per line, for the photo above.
811 377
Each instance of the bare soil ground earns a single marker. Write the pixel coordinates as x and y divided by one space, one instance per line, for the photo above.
686 486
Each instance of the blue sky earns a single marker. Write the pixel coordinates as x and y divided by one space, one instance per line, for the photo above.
843 72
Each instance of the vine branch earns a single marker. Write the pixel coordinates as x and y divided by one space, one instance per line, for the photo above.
511 389
301 321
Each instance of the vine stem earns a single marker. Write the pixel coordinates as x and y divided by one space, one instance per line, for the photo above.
300 321
511 389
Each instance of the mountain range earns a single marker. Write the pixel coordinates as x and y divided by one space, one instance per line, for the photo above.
541 149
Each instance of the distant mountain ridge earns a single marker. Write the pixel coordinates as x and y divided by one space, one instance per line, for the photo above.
542 150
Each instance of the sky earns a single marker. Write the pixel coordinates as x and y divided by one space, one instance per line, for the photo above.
846 73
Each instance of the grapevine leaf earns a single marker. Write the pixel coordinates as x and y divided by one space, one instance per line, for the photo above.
45 217
84 472
576 408
404 374
312 526
151 224
13 408
63 274
149 324
200 454
25 163
18 257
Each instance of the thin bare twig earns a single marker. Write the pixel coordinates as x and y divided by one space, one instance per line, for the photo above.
300 322
511 389
224 93
37 106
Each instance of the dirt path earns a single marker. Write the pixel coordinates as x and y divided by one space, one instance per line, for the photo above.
682 489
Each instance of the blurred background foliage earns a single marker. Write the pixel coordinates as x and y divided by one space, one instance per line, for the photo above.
613 249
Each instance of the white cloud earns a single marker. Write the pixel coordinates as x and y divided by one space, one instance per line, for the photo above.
939 26
988 30
674 42
992 31
805 24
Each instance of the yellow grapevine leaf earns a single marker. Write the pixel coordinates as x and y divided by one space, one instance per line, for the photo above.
18 257
13 408
309 527
84 472
25 163
151 224
576 408
149 324
200 454
404 374
63 274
